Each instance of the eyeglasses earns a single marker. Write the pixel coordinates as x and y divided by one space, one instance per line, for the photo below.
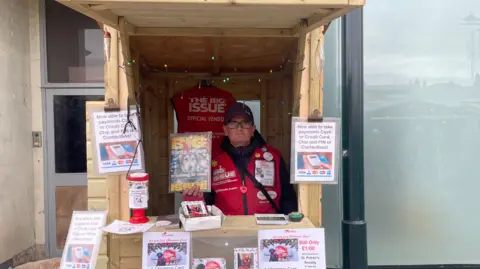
243 124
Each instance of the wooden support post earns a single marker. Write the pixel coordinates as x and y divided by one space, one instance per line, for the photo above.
310 98
127 60
113 189
111 91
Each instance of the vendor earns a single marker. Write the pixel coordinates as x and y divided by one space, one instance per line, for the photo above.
249 176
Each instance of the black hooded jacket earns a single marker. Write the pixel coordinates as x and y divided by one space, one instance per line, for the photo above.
241 157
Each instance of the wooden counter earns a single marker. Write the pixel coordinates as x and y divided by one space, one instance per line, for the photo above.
237 231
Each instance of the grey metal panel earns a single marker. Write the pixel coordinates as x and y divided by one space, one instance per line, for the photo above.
332 107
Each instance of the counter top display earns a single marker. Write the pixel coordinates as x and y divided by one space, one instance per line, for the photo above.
236 232
232 226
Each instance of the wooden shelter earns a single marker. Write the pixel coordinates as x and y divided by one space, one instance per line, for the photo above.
266 50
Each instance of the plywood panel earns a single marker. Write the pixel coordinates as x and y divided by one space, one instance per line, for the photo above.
97 204
196 54
102 262
97 188
155 105
246 14
158 116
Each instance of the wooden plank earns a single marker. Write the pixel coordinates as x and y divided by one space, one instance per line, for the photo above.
356 2
97 204
225 2
316 43
302 86
217 42
317 20
112 91
102 262
287 117
266 15
97 188
230 32
126 83
263 110
131 262
113 252
103 245
310 194
233 226
104 16
219 77
127 59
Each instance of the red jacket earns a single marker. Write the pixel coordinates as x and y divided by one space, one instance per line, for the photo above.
230 186
235 193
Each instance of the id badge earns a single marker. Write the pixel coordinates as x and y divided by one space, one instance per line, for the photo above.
265 172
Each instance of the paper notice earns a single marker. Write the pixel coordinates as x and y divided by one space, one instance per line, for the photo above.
123 227
116 142
83 239
314 151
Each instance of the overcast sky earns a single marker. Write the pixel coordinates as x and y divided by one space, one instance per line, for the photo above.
408 39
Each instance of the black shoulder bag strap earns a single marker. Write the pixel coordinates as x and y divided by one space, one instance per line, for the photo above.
259 186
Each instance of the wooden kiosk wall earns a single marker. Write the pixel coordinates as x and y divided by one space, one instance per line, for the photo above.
281 95
273 91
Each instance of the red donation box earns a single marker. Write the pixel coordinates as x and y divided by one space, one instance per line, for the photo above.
138 196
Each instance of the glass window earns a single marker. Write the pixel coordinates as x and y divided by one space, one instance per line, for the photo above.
422 114
74 46
69 128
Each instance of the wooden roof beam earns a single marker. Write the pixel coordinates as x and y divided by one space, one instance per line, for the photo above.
325 3
317 20
226 32
104 16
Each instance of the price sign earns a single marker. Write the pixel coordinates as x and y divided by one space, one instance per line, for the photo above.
292 248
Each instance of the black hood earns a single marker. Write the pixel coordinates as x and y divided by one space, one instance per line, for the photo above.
256 141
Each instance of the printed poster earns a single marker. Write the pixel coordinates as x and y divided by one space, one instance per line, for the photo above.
292 248
315 147
115 149
190 161
83 239
202 109
166 250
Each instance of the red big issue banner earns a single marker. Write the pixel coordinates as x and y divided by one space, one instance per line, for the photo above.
203 110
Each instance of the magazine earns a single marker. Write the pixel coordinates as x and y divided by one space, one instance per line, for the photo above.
245 258
190 161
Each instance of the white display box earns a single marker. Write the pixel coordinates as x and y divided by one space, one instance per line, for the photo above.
203 223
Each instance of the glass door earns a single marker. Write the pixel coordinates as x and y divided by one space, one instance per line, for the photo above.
66 162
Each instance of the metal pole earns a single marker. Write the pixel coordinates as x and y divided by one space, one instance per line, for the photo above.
354 229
